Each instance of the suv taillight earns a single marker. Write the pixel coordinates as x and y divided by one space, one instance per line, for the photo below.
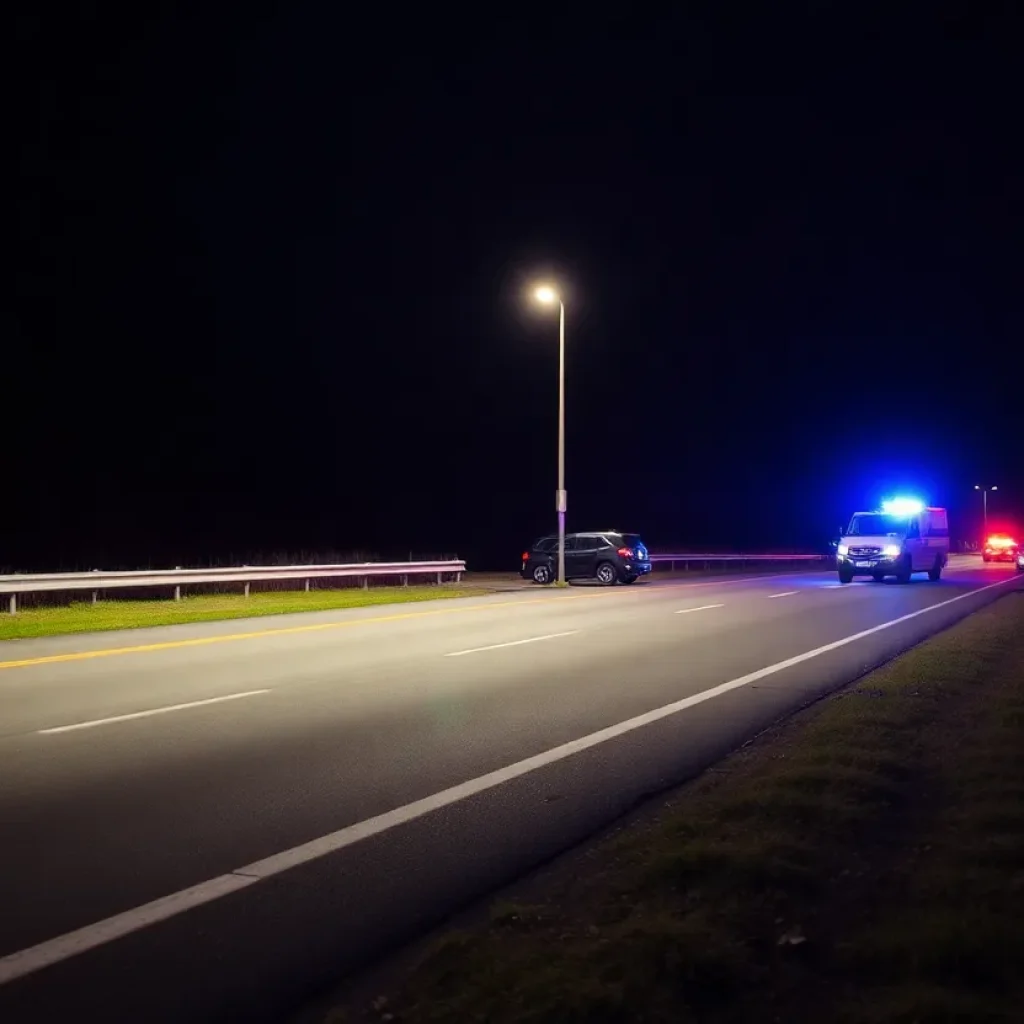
526 556
625 552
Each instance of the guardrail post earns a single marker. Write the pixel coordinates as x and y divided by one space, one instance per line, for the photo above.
247 590
366 583
94 597
458 577
307 586
439 579
12 606
177 593
405 581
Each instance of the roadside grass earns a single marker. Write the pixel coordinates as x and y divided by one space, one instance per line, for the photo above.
83 617
861 863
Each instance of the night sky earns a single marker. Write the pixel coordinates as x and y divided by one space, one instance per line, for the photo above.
273 269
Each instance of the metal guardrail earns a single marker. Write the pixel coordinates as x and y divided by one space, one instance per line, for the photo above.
709 557
244 574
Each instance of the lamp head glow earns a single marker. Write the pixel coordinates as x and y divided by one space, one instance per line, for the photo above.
903 507
546 294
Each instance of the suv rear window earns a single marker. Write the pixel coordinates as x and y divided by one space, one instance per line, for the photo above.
631 540
546 544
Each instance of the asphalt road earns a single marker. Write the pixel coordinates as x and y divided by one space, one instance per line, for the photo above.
337 781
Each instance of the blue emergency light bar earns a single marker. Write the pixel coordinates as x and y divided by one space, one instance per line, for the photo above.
903 506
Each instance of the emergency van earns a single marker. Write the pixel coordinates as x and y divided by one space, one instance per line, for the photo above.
902 538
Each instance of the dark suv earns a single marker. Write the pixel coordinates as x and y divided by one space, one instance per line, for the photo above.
609 557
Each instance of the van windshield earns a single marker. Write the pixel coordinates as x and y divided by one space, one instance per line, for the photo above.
877 524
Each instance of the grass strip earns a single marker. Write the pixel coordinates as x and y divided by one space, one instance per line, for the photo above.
860 863
84 617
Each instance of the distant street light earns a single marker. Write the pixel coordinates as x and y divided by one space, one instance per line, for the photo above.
547 295
984 499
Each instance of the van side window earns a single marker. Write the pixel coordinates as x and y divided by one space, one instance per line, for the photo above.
914 532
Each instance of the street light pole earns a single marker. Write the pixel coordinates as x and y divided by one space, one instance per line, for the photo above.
560 500
984 505
549 297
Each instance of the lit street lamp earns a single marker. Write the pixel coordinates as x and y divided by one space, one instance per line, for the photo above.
984 499
549 297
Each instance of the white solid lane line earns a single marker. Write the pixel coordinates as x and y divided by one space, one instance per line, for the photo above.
785 593
511 643
702 608
63 947
147 714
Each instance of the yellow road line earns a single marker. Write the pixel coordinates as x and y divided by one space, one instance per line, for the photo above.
106 652
167 645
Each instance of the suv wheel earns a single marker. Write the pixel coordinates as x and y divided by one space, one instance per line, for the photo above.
935 572
606 574
541 574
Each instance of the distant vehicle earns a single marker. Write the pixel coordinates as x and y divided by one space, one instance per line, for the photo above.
608 556
902 538
1000 548
1020 561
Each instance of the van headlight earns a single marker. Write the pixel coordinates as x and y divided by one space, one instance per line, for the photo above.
843 550
892 551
